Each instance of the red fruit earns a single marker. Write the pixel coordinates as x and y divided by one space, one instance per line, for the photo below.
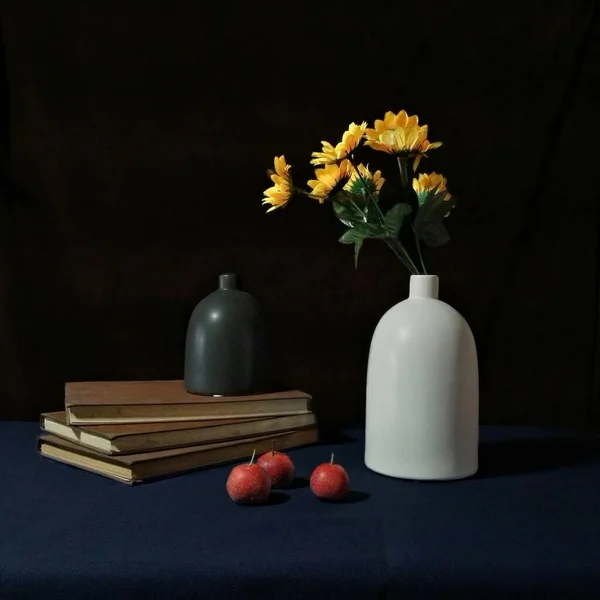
279 467
249 484
330 481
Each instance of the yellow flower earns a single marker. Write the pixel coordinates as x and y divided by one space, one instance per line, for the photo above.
365 182
329 179
278 195
431 182
334 154
400 134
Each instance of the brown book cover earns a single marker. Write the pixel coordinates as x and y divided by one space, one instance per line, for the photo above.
145 466
144 437
117 402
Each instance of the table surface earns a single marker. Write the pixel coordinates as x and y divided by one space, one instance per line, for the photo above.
526 526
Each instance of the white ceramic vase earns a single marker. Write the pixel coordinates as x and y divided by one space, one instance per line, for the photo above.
422 414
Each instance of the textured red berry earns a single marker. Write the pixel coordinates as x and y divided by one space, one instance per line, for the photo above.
330 481
279 467
248 484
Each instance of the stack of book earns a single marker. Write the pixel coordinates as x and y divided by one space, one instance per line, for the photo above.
135 431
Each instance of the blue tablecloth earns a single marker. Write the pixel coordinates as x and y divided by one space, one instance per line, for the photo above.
527 526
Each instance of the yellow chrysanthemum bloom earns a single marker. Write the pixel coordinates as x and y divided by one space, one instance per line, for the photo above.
400 134
334 154
279 195
431 182
365 182
329 179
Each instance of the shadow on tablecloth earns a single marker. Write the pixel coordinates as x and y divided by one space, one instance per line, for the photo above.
513 456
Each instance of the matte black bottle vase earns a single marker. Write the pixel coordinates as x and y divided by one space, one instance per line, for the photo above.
227 347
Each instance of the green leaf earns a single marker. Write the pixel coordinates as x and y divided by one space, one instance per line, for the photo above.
394 218
351 237
354 208
347 215
347 208
369 230
435 235
360 231
357 246
428 222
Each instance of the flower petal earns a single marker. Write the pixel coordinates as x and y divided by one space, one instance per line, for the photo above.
401 119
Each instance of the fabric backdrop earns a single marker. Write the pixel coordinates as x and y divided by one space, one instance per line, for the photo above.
135 140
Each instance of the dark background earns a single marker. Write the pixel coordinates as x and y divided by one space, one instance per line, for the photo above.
135 138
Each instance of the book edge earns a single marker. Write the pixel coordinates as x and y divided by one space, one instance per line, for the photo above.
141 457
141 481
290 394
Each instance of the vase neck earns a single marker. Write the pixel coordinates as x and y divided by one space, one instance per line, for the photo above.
228 281
424 286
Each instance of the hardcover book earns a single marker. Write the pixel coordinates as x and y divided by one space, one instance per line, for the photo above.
144 437
118 402
137 468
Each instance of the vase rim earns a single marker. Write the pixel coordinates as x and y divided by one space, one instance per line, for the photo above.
228 281
424 286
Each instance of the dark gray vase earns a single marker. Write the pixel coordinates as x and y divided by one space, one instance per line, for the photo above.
227 347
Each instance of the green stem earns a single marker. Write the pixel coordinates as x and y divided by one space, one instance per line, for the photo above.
418 243
401 251
395 241
403 168
359 209
402 255
406 184
397 251
404 258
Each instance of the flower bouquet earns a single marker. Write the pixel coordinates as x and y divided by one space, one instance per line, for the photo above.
404 212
